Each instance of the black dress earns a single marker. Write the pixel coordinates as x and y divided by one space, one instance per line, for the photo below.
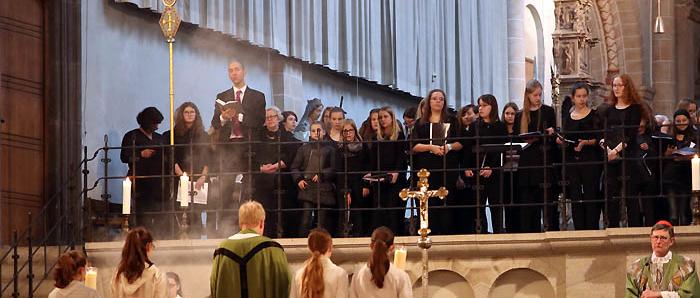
441 170
583 177
192 159
149 193
479 158
534 174
352 164
270 188
622 126
387 156
677 179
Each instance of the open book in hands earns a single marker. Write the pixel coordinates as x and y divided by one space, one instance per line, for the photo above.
227 105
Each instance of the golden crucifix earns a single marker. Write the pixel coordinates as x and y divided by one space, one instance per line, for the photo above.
423 194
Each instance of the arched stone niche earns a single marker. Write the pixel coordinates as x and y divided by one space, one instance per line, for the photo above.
521 283
444 284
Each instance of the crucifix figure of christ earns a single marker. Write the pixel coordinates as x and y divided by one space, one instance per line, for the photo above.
423 194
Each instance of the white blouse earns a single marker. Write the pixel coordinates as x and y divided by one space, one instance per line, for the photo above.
335 280
396 284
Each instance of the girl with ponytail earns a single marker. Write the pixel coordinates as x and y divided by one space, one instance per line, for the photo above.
136 275
320 277
379 278
69 274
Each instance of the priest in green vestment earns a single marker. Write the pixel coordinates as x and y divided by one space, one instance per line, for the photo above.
662 274
247 264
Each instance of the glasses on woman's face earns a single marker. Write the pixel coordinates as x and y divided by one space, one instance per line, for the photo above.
271 117
347 131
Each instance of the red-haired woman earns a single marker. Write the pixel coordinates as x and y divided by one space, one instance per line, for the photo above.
622 121
320 277
136 275
379 278
69 274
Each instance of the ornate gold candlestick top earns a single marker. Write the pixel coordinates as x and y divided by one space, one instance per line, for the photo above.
423 194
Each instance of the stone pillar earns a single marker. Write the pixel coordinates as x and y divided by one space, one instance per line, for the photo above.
572 43
664 62
286 76
516 51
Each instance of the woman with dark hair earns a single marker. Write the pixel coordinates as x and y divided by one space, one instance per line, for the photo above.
435 150
69 275
677 171
510 170
174 285
468 115
319 277
580 154
326 118
370 127
136 275
379 278
353 157
192 151
388 158
622 120
484 166
142 151
290 219
537 120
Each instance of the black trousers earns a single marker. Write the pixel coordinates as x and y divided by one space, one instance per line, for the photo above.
583 190
621 189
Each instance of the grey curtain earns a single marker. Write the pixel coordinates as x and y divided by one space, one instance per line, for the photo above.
413 45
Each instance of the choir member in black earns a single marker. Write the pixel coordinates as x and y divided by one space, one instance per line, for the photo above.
580 144
652 147
335 132
352 166
488 129
313 171
326 118
677 174
510 168
290 219
370 127
409 120
622 120
535 159
691 106
436 151
464 192
274 155
146 161
192 159
388 157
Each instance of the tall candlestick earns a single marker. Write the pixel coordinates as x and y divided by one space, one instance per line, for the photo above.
184 196
696 172
126 196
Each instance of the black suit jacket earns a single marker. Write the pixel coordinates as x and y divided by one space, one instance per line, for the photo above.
253 113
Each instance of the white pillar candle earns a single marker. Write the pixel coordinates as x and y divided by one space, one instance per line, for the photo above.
126 196
696 172
91 277
184 196
400 257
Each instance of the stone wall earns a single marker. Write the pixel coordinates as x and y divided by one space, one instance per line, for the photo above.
551 264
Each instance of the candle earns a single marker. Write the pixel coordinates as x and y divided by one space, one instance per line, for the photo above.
91 277
696 172
126 196
400 257
184 196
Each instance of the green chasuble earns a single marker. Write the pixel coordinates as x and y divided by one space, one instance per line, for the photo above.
248 265
678 276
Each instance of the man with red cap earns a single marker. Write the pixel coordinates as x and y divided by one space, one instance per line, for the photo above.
663 274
